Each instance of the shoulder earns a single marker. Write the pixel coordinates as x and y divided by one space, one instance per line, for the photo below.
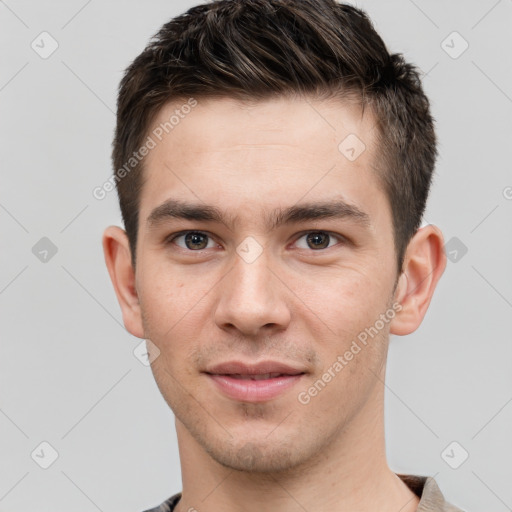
429 493
168 505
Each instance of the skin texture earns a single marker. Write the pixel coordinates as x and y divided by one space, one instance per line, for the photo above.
294 303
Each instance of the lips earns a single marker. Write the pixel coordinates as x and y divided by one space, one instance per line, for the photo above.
262 376
254 382
263 368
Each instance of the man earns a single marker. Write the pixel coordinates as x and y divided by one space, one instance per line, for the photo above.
273 163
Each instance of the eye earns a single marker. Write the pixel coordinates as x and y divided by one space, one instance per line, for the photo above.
199 240
192 240
318 240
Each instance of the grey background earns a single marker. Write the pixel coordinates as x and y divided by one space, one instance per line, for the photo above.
67 368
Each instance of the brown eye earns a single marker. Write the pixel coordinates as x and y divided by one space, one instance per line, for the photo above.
318 240
193 240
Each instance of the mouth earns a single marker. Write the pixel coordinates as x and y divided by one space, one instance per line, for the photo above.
254 383
262 376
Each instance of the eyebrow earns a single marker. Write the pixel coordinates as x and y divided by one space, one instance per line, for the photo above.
334 209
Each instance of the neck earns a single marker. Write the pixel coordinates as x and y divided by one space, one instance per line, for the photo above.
350 473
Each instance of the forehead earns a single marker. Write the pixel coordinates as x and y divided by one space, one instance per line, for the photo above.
217 123
269 154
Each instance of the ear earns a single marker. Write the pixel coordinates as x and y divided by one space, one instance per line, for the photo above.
424 264
116 249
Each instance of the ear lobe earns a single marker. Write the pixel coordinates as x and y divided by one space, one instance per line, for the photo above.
116 250
424 264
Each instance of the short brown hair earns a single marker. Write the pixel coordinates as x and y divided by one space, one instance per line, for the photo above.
256 49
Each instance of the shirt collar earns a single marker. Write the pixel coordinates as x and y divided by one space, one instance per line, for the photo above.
431 498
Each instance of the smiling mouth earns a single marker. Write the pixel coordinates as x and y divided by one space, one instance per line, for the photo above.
254 387
262 376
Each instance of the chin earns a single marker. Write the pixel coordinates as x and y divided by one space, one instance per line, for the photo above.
256 456
252 458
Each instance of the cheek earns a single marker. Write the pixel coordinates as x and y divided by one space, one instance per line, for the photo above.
168 296
174 307
345 299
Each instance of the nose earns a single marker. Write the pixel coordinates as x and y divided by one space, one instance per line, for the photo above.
252 300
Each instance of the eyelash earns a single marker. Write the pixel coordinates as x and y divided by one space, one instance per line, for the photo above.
171 238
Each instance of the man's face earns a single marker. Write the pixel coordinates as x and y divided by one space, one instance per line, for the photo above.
251 289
